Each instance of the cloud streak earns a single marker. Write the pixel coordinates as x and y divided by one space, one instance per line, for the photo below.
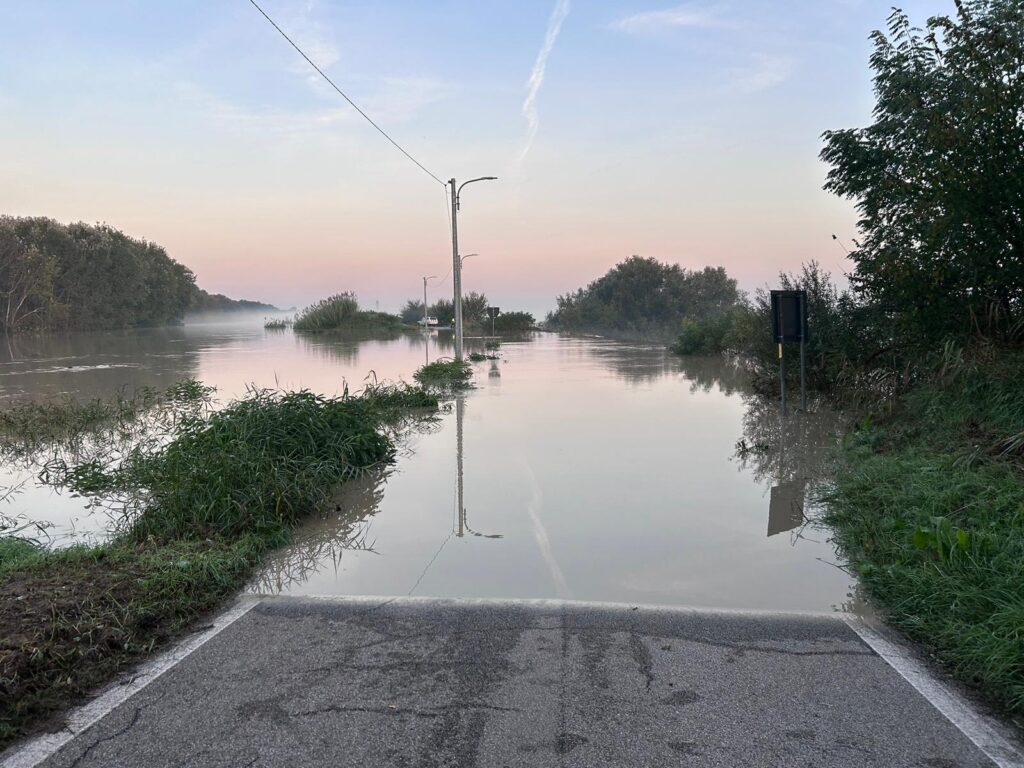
533 85
680 16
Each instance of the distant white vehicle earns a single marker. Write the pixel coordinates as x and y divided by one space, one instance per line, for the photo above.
431 321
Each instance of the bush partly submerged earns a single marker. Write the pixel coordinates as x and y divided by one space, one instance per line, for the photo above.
447 374
340 312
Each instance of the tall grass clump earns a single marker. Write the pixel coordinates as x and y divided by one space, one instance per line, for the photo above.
445 374
276 324
340 312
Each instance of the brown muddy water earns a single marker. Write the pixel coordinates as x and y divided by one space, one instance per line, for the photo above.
577 468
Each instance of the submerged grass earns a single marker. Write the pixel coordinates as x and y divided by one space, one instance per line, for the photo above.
928 507
26 426
199 514
445 374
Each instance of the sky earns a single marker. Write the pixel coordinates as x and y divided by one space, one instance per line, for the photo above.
688 132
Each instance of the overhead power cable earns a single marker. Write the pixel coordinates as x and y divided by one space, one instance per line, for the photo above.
344 95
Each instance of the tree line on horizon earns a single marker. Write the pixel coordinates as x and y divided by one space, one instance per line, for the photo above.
474 314
79 276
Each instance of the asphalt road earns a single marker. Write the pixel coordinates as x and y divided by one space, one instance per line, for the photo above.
445 683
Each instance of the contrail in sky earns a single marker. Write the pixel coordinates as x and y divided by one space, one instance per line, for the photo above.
536 80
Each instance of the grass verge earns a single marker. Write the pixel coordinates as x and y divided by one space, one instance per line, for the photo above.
928 508
200 513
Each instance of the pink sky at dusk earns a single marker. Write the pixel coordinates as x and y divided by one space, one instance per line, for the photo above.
689 133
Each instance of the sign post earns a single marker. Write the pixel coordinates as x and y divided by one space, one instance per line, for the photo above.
789 325
493 312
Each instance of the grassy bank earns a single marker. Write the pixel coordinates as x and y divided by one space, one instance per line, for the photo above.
928 508
198 515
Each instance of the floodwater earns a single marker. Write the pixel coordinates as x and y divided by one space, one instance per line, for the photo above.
577 468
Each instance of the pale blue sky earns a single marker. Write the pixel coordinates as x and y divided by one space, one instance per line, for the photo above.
688 132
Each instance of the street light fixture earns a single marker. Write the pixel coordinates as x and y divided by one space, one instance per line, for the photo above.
456 260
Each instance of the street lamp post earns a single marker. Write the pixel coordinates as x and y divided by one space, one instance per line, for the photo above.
456 261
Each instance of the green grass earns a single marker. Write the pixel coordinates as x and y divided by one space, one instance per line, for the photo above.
277 324
199 514
445 374
479 357
928 507
342 312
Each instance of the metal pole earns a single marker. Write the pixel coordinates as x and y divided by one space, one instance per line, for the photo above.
424 305
782 377
456 271
803 325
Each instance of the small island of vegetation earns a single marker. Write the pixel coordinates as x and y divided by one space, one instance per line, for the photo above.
341 312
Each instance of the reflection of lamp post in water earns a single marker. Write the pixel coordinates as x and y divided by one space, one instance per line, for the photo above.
426 327
460 411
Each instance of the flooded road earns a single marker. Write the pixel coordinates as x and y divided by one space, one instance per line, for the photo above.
577 468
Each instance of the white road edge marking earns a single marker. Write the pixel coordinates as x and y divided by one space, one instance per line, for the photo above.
985 732
33 752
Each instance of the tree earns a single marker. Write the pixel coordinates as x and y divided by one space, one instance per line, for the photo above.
474 309
444 311
412 312
643 297
938 177
82 276
511 322
26 282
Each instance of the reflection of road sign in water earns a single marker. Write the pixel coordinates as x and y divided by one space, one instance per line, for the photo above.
786 509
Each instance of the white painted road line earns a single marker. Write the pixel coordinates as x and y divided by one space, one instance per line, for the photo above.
986 733
40 748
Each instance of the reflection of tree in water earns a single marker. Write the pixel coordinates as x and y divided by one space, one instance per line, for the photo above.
325 539
341 346
633 363
704 373
793 454
778 449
